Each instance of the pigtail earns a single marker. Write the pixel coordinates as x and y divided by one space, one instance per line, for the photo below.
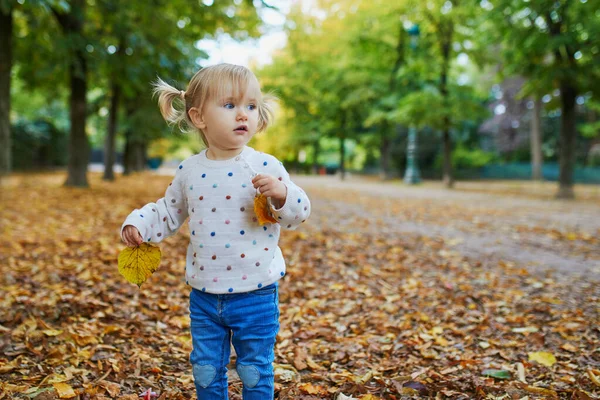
266 113
167 96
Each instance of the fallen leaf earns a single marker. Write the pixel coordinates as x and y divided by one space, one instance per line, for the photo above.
64 390
543 358
496 373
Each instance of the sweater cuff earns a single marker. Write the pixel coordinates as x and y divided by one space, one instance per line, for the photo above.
138 223
286 213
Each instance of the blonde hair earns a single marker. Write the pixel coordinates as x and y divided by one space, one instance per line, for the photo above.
207 83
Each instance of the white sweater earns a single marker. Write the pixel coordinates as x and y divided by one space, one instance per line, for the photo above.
229 252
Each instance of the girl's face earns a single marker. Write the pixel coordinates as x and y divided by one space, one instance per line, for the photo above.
230 120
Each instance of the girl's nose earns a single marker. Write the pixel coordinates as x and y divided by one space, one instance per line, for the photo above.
242 114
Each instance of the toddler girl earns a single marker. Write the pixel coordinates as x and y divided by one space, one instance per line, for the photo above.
233 263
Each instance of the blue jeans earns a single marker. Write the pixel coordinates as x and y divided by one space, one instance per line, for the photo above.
248 320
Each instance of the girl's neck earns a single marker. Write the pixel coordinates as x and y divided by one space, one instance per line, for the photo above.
214 153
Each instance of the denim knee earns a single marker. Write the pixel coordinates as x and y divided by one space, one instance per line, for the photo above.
249 375
204 375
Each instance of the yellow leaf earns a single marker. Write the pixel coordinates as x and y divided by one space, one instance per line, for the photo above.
138 263
52 332
65 391
262 210
543 358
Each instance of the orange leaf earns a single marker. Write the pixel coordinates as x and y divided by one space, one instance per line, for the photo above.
262 210
64 390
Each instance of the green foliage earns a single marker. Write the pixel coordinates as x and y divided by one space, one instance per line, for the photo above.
465 158
38 144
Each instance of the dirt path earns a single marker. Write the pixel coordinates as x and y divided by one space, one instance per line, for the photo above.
536 234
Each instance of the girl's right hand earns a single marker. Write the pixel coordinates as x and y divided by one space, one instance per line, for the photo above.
131 236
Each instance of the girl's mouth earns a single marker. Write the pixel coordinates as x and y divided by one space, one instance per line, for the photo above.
241 129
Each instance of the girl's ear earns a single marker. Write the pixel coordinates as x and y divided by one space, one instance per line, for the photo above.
196 118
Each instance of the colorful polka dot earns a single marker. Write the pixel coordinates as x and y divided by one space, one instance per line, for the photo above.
265 163
201 246
191 187
230 290
243 209
257 264
141 216
204 175
242 255
165 218
244 185
215 279
230 174
215 185
254 242
201 198
264 228
214 257
181 166
242 232
212 233
159 234
259 285
244 277
173 200
282 273
227 221
204 289
229 268
214 209
299 200
202 268
228 197
193 232
227 246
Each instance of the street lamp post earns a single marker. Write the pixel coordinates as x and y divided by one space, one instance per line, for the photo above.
411 174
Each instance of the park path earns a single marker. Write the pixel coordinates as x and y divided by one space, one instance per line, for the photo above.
488 226
536 234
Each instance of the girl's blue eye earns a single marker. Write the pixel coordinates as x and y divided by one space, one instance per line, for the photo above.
251 107
228 105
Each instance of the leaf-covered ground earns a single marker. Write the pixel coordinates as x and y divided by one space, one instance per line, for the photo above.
390 294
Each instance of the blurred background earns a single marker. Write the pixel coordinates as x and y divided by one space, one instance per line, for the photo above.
434 90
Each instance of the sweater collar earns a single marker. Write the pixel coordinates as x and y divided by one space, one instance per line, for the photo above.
202 159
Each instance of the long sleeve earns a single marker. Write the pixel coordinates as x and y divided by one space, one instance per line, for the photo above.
296 209
157 221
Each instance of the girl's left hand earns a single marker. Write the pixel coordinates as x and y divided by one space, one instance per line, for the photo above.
270 187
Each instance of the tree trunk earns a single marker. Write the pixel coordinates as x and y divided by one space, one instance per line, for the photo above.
385 151
445 47
343 148
342 157
536 140
6 23
109 145
317 150
79 152
448 178
127 155
568 137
